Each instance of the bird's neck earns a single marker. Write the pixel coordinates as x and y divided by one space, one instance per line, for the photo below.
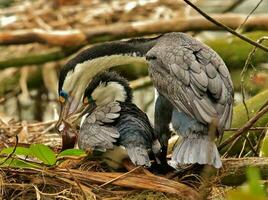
109 55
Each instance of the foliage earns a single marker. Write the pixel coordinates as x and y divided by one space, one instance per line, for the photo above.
252 190
36 156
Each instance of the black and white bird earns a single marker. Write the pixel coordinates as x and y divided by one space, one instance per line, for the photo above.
113 121
193 85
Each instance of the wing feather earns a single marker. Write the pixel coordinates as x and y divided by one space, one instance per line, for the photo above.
198 83
95 133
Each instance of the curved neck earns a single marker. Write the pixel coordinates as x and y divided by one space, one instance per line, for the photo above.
80 70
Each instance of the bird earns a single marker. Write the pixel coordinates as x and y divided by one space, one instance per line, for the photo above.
111 120
193 86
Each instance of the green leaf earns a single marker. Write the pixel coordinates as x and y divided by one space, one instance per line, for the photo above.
17 163
253 177
19 151
72 152
264 147
43 153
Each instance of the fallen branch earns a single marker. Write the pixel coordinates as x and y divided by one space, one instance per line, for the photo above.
50 55
125 30
132 180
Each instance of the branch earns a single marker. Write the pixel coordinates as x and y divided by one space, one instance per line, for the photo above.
39 58
234 170
225 27
132 180
246 127
125 30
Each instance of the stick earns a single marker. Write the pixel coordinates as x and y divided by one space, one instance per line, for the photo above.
226 27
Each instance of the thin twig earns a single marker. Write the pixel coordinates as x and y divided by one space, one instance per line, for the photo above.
250 129
123 175
78 184
246 127
243 73
248 40
251 12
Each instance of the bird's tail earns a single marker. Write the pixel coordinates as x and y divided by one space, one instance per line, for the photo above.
196 149
138 155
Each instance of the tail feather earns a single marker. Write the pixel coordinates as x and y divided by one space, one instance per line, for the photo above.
138 155
199 149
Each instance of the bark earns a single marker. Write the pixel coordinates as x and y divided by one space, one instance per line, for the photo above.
125 30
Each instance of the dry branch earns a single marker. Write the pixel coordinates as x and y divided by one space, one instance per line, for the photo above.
125 30
133 180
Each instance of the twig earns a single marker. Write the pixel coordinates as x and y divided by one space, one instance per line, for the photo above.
78 184
121 176
246 127
226 27
251 12
250 129
245 68
13 151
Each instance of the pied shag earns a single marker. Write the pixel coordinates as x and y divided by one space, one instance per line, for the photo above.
113 121
195 91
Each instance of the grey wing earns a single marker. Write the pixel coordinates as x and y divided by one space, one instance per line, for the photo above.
95 133
107 113
196 82
97 137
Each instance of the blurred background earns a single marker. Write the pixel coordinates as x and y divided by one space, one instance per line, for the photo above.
37 37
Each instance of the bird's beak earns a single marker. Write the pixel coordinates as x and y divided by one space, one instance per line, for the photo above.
64 128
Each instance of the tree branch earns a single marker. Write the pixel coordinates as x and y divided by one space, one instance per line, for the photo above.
225 27
246 127
125 30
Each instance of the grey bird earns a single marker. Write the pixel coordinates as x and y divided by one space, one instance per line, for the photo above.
195 91
113 121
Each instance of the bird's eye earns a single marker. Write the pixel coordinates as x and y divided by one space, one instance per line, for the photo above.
85 101
62 96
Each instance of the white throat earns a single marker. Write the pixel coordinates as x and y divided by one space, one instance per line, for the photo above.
111 92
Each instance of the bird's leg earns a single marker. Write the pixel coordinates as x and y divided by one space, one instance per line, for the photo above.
163 113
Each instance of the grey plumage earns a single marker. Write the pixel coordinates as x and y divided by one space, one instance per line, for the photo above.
190 78
93 134
199 86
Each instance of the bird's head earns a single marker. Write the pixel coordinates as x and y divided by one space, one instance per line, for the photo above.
79 72
105 88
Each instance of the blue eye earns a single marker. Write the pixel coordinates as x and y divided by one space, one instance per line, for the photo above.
63 94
